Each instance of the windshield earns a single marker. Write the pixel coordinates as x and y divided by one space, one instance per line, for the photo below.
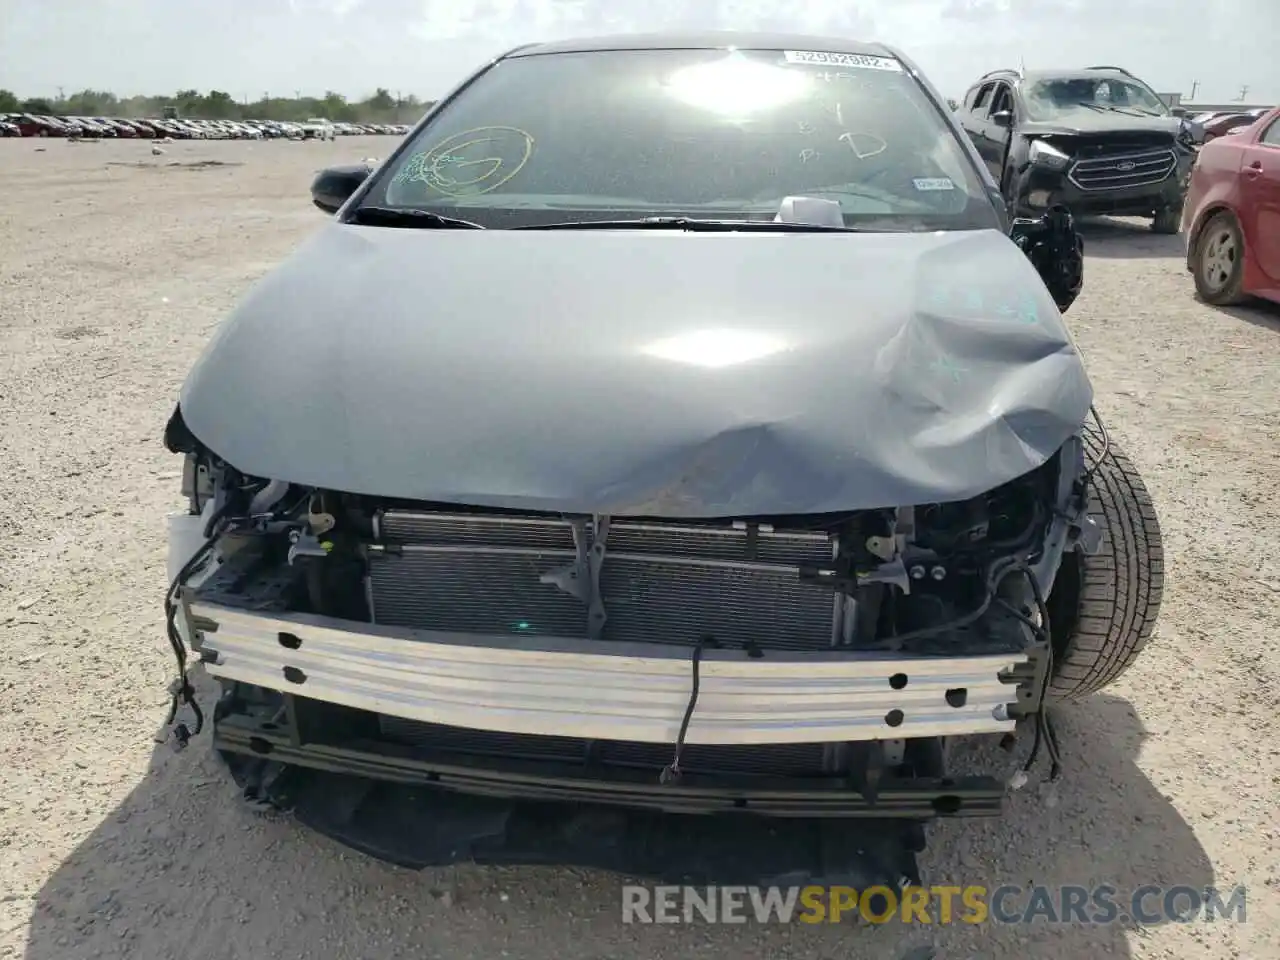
698 133
1053 99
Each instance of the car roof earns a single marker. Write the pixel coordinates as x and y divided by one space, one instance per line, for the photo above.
704 40
1101 72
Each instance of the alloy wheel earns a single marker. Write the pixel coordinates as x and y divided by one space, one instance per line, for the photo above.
1218 259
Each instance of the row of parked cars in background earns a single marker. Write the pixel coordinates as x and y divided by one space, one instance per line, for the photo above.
32 125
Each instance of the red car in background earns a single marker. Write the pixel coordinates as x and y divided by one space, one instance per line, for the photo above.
1220 124
1231 217
30 125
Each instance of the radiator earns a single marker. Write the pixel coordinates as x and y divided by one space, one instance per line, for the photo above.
663 583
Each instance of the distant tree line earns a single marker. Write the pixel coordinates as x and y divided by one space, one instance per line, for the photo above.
381 107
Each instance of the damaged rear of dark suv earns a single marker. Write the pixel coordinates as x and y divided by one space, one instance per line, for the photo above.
1098 141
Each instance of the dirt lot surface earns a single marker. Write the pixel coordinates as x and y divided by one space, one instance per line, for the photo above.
115 266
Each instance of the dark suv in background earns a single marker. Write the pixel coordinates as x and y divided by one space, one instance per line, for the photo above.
1097 140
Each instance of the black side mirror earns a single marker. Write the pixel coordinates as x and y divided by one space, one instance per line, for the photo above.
1056 249
334 185
1002 118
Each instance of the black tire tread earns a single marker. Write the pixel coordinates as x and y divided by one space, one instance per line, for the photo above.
1122 584
1167 222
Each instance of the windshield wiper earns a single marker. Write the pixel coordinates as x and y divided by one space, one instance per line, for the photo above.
1123 111
421 219
691 224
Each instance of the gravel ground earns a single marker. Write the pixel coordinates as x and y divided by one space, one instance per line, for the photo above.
115 266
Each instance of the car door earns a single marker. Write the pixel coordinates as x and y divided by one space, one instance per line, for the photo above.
977 120
973 109
1260 195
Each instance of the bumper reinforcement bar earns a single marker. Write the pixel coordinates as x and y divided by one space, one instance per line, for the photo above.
550 686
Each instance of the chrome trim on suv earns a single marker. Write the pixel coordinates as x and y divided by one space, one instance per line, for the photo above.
1123 170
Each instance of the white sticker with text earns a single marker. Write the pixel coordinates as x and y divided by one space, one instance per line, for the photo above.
862 60
933 183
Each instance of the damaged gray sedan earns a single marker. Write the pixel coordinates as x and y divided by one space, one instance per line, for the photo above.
674 441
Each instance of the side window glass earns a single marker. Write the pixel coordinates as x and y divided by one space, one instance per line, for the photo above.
1271 136
984 97
1001 100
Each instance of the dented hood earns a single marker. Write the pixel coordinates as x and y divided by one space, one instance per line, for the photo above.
643 372
1087 123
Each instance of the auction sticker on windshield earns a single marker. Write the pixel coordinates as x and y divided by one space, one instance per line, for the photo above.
861 60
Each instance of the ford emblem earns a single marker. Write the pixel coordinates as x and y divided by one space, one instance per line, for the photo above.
1125 166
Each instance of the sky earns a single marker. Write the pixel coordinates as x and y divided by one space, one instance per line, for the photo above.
424 47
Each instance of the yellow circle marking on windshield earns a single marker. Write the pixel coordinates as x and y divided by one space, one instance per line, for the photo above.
462 166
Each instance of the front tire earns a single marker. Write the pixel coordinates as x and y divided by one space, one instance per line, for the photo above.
1219 261
1107 604
1167 221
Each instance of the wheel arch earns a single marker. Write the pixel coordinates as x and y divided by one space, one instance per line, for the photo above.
1063 602
1104 606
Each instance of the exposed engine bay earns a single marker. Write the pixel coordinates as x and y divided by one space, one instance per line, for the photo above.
934 581
921 580
555 669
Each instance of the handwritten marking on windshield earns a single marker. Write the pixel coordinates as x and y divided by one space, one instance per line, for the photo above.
808 154
470 163
864 145
830 76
